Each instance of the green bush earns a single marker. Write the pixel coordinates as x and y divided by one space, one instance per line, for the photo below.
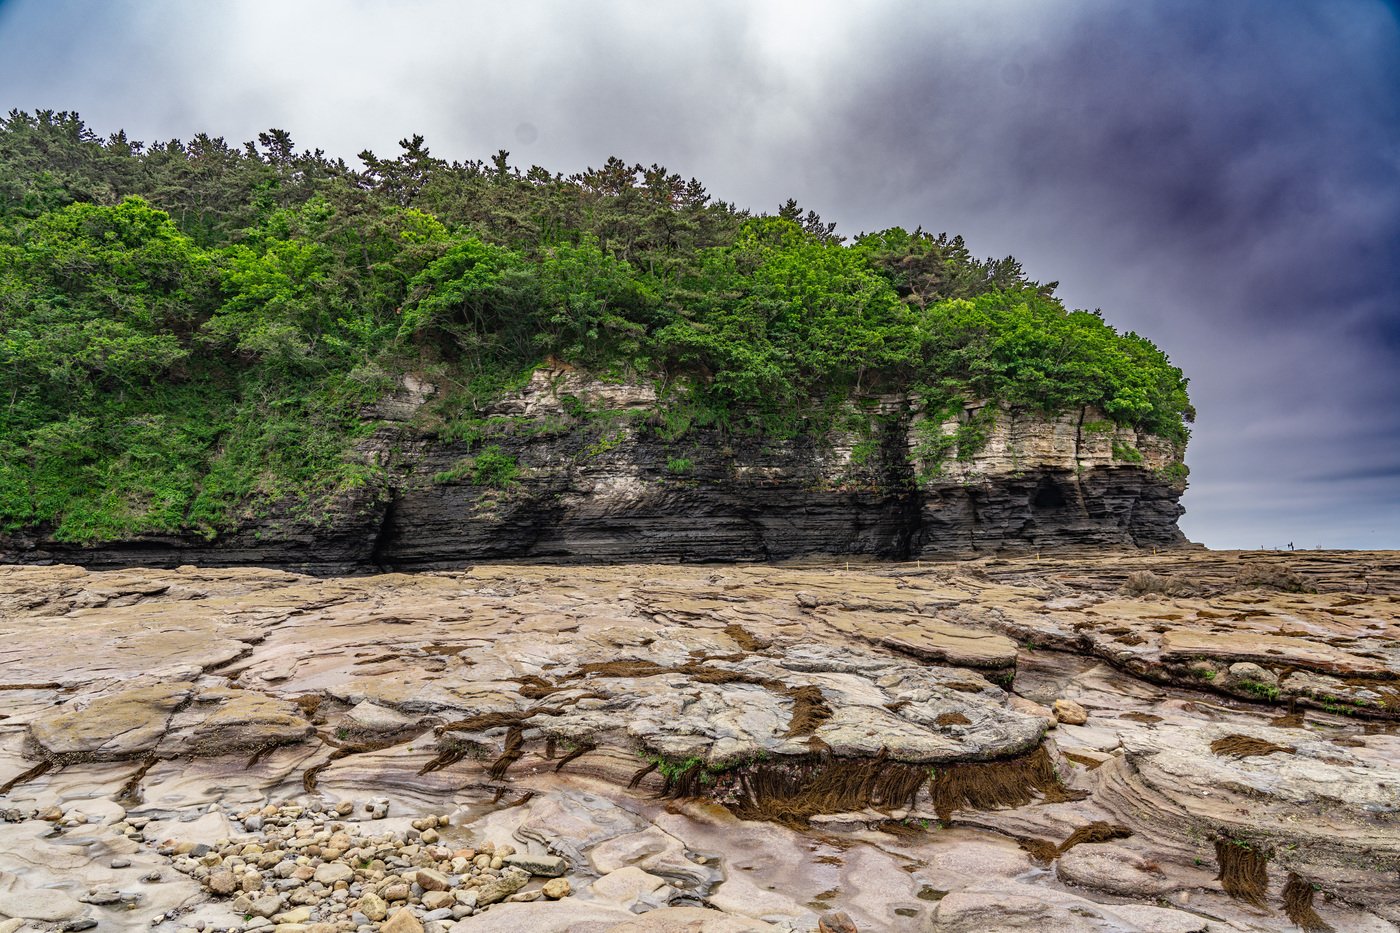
494 467
490 467
1126 453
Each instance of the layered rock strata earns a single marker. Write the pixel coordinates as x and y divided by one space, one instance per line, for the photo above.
598 476
748 747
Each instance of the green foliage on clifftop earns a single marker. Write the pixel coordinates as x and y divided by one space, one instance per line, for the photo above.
189 331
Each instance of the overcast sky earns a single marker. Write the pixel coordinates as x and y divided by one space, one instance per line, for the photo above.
1222 177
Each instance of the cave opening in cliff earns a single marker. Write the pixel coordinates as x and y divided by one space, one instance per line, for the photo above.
1048 495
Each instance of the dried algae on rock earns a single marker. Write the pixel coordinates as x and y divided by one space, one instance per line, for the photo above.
637 778
744 638
581 749
793 791
29 775
1298 905
1040 850
1243 871
514 750
809 710
992 785
1097 831
534 687
1247 746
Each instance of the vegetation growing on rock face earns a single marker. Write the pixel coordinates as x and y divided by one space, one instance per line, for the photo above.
189 331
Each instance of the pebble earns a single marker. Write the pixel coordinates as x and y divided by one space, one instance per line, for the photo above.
329 878
121 863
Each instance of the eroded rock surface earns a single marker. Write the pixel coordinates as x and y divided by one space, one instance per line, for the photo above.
748 747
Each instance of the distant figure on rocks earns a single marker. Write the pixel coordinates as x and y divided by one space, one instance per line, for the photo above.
1290 545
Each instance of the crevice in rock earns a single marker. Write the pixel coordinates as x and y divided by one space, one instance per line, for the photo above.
34 772
129 795
379 547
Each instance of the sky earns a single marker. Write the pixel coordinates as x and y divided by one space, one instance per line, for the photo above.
1223 178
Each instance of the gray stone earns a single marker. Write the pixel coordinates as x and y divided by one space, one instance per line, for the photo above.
545 866
512 879
1249 672
332 872
267 905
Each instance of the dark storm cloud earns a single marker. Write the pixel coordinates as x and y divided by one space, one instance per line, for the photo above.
1223 178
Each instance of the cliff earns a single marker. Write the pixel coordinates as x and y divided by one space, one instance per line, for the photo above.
585 470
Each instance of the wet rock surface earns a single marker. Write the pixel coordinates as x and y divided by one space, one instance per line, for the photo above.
1189 741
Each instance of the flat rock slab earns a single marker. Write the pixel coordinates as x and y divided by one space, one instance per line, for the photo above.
1274 650
223 721
1022 907
40 904
927 638
122 725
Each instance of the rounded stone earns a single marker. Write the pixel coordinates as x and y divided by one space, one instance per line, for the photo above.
1070 713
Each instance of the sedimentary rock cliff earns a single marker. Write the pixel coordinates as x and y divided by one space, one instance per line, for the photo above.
593 473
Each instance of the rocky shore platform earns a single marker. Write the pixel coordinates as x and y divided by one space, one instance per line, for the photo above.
1166 743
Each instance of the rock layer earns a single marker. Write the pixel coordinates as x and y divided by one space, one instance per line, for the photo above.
611 485
775 743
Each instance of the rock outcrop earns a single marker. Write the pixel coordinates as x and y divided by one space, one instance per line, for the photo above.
644 747
598 476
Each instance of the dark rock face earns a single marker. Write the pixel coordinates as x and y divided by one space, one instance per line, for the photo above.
620 492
